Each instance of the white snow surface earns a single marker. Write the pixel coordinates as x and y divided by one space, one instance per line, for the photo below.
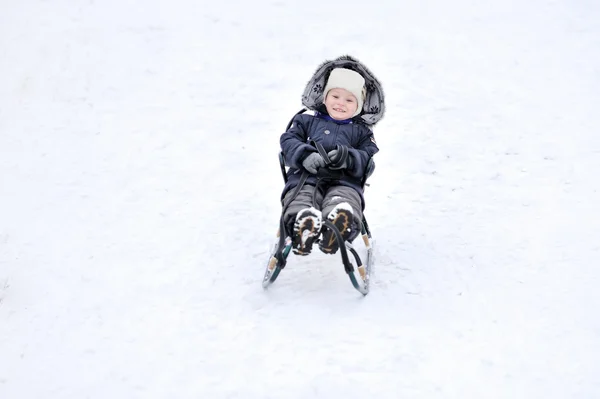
139 199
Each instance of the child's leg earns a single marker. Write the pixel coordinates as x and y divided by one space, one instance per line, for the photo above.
341 206
302 220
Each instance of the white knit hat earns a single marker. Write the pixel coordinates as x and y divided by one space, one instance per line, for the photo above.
342 78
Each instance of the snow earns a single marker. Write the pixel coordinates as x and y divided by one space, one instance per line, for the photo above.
139 193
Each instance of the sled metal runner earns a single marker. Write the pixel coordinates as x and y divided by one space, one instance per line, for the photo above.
281 249
361 282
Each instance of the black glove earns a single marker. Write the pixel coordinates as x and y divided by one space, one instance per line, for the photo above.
313 162
339 158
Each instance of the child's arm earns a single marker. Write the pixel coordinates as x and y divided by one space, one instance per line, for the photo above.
293 143
361 154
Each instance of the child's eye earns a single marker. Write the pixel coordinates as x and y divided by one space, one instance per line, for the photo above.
335 96
350 100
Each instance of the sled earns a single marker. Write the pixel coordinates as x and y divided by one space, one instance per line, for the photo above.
358 272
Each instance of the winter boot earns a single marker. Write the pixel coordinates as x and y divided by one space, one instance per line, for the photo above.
307 229
341 217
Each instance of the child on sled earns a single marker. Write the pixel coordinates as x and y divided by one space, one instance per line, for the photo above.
328 153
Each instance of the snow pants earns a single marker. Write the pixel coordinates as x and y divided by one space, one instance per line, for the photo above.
333 196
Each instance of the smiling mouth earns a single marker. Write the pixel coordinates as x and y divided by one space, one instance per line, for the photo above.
338 110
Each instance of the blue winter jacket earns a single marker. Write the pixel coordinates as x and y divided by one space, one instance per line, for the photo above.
295 144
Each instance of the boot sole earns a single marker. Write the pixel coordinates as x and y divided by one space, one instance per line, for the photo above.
343 222
306 231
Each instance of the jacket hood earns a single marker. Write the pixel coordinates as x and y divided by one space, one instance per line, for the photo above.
374 105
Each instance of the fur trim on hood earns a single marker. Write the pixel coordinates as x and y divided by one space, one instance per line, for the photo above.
374 105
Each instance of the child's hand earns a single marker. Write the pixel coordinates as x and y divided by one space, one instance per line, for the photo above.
338 158
313 162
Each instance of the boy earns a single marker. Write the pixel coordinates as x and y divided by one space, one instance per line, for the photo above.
351 102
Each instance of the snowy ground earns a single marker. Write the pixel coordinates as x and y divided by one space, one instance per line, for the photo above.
139 195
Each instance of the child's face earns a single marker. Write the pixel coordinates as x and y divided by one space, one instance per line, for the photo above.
340 104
